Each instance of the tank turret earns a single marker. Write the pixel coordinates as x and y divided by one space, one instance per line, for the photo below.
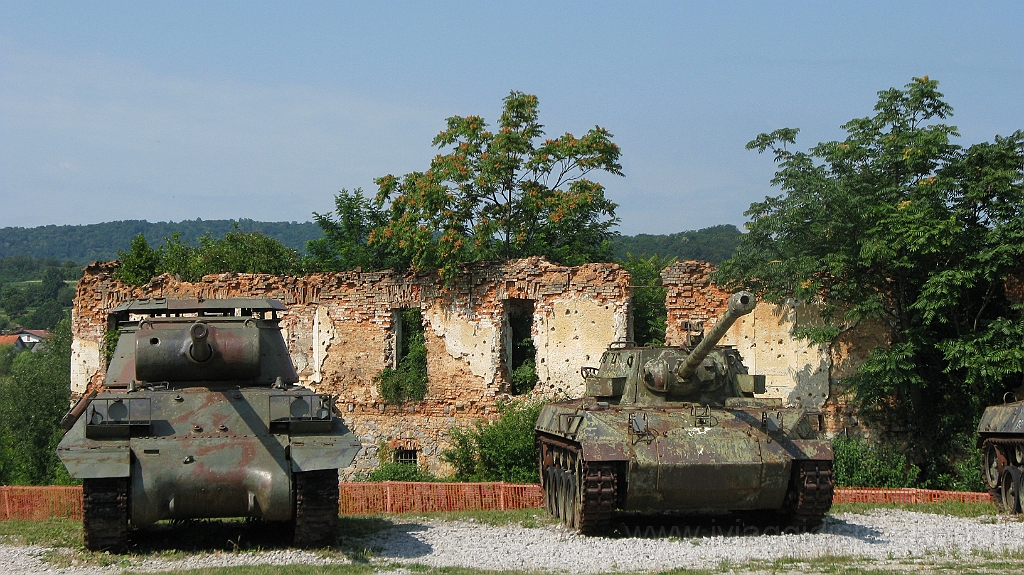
199 415
682 429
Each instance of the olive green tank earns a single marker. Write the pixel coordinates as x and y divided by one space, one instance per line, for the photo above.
681 429
1001 439
200 416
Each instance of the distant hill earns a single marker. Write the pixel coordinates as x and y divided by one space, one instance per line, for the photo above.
715 244
87 243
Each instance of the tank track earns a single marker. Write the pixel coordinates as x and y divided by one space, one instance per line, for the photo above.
105 514
1004 445
580 493
811 491
316 508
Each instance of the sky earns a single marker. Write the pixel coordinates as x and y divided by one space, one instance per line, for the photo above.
170 110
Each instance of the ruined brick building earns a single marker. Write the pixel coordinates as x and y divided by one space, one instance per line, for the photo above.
343 328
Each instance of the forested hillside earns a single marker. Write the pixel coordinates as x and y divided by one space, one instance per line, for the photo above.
88 243
84 244
715 244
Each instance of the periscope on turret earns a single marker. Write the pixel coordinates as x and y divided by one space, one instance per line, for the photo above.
682 429
200 416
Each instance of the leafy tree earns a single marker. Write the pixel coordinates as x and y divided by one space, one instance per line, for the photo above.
897 223
138 264
14 302
860 463
53 282
345 245
46 316
33 398
502 194
502 450
649 313
237 251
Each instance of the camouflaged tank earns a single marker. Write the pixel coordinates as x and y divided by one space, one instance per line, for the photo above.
680 429
200 416
1001 439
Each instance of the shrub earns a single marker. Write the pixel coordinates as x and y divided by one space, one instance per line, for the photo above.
860 463
409 381
502 450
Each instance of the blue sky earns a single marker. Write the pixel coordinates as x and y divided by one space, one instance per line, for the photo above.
178 110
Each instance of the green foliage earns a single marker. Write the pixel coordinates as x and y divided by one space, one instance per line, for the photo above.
715 244
898 224
138 264
524 377
345 245
87 243
649 313
7 355
14 302
409 381
502 194
237 251
110 338
33 398
46 316
860 463
502 450
394 471
21 268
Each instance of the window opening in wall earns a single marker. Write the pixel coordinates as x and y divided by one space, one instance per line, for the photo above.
406 456
407 379
520 353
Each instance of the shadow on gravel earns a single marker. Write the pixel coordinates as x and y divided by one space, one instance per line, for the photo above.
738 524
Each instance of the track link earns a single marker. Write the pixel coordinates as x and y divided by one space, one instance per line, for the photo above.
316 508
105 514
580 493
811 492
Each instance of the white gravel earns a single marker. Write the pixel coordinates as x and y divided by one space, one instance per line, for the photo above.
878 535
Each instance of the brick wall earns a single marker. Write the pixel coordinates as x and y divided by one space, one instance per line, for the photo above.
340 330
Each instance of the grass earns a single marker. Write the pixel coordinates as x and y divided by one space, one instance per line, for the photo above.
49 533
953 508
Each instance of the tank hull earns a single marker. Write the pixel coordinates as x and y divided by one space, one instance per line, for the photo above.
201 418
687 457
1001 439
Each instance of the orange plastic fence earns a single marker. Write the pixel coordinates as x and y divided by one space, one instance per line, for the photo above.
37 503
404 497
908 495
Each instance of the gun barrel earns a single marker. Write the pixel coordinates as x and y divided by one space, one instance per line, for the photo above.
200 350
740 304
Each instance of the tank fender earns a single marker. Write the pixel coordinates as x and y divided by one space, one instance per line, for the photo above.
605 452
814 449
334 451
88 459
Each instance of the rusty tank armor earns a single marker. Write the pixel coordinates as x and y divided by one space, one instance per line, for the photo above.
1001 439
200 415
681 429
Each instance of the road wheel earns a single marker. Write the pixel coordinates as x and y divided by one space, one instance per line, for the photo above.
991 466
1011 489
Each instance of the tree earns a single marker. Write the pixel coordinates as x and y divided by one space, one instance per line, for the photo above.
138 264
33 398
649 313
897 223
502 194
502 450
345 245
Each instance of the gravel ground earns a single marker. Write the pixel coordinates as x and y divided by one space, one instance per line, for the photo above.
880 535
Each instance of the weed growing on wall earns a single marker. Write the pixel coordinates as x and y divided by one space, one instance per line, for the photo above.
408 382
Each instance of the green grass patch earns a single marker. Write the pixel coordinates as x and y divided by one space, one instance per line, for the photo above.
49 533
953 508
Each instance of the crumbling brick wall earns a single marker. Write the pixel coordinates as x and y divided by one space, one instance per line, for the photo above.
797 371
340 330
